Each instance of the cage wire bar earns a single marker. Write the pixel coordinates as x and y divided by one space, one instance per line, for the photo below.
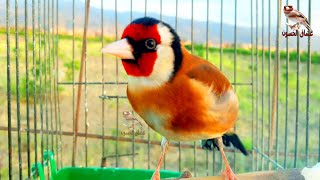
40 79
297 96
34 84
308 90
235 66
18 88
257 82
252 87
269 77
276 77
9 89
86 87
103 88
262 84
82 66
176 29
73 67
27 88
287 92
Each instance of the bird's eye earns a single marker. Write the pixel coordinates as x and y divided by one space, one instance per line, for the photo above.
150 44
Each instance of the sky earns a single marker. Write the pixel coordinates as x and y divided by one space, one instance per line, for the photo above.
200 10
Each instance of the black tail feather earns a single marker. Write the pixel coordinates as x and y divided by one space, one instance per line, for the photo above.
227 139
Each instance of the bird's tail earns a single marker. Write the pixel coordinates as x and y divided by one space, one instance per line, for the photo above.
227 139
307 25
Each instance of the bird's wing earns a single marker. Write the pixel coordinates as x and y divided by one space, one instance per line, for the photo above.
300 15
208 74
305 18
304 21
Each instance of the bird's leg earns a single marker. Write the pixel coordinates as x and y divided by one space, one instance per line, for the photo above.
228 173
164 145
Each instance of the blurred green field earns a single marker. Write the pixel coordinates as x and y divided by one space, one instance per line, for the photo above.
107 69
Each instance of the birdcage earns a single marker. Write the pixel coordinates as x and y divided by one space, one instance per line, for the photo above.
64 108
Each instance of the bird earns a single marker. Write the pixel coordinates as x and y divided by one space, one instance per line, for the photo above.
179 95
296 16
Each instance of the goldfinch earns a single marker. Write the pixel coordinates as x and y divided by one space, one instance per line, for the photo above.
179 95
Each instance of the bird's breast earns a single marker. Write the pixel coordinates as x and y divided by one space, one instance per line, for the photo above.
185 109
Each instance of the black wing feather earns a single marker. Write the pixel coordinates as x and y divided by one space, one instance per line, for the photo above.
228 139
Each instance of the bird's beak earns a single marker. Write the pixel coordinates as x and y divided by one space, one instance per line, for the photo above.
121 49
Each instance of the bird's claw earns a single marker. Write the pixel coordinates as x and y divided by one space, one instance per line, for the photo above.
163 142
229 175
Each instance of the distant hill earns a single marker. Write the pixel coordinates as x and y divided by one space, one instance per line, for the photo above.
184 26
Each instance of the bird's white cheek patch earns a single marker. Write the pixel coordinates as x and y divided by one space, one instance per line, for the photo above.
165 34
164 64
162 70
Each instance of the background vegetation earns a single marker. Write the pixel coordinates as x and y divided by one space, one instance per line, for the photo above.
254 105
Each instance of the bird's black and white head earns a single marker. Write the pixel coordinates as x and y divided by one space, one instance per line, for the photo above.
150 51
287 9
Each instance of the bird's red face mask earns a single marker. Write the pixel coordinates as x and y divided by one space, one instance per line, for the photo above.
137 49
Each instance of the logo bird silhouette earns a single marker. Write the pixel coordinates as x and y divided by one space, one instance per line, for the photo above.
297 17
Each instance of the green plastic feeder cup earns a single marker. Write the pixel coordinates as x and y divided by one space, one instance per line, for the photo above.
77 173
96 173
